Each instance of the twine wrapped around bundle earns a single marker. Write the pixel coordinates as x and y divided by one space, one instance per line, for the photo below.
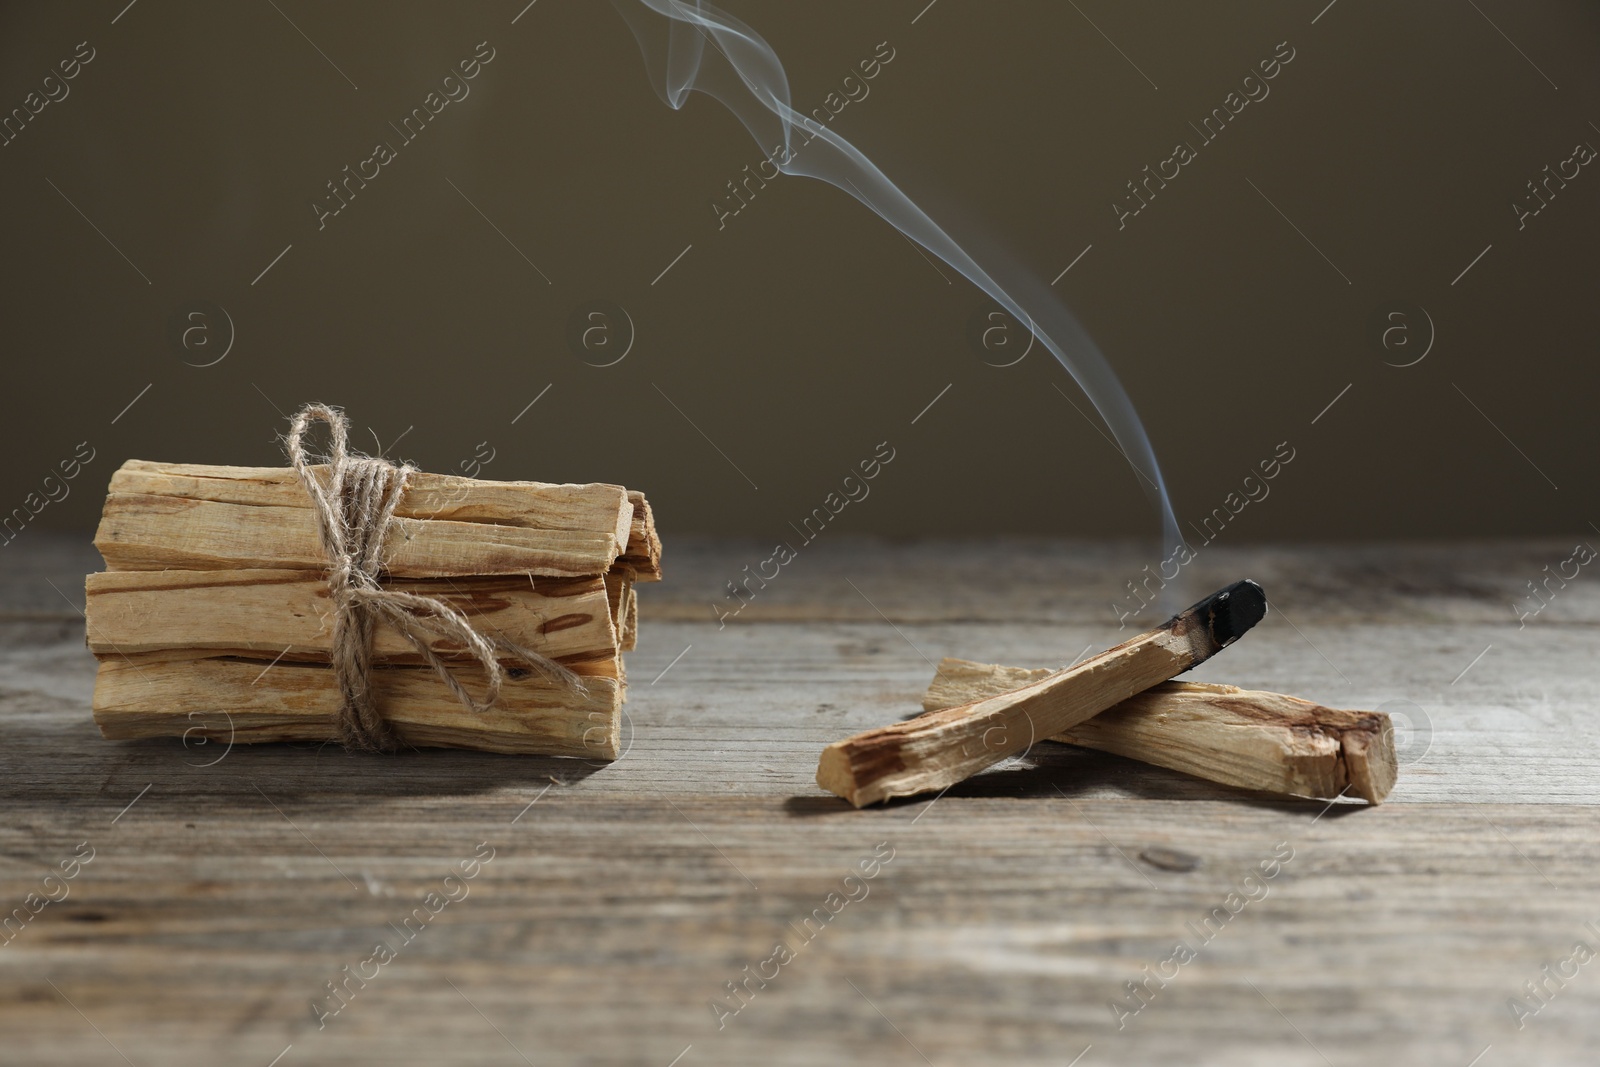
354 511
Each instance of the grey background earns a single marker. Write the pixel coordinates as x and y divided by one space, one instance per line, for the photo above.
783 348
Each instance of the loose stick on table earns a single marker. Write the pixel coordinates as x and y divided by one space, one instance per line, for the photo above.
1240 737
939 748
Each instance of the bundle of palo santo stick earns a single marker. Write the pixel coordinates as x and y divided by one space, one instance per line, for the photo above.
215 614
1122 701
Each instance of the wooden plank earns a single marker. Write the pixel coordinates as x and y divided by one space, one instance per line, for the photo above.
288 614
226 897
157 532
1066 583
247 701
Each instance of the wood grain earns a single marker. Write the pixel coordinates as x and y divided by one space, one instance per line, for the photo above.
1016 908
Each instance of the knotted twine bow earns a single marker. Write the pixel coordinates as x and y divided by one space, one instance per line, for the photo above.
354 511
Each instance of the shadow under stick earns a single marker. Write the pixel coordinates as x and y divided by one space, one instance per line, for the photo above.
940 748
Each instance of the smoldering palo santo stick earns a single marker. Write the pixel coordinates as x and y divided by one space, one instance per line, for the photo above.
939 748
1239 737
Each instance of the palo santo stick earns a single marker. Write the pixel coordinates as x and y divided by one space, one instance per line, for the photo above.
598 665
1240 737
624 607
201 517
940 748
161 532
628 638
289 614
243 701
643 553
593 508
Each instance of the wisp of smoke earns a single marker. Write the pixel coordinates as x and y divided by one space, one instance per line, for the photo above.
695 47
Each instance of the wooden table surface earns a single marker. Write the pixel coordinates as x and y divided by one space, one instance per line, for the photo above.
229 888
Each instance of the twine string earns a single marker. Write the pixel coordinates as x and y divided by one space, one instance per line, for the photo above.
355 510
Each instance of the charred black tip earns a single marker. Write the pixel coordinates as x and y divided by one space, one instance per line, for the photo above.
1227 614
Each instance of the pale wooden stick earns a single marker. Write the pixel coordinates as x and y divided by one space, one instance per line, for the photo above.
288 614
248 701
592 508
200 517
624 604
1240 737
159 532
643 553
938 749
